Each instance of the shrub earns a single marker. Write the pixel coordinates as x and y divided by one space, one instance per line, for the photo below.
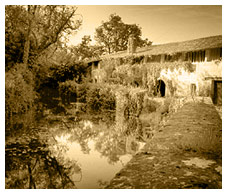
60 81
62 73
100 97
19 98
82 92
109 68
149 105
204 89
51 75
67 91
70 91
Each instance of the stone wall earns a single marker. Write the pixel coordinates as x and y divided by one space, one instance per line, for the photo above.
205 72
177 81
182 79
177 76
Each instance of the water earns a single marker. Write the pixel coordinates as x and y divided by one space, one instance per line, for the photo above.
98 149
70 154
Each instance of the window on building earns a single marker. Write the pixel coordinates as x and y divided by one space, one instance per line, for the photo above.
196 56
168 58
214 54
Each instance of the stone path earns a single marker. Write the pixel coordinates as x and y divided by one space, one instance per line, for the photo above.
185 153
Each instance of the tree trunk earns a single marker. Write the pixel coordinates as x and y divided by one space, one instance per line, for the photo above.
28 34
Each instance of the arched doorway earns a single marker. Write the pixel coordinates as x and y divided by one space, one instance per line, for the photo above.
161 89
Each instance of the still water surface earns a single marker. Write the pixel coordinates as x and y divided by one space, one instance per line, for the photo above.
100 151
84 154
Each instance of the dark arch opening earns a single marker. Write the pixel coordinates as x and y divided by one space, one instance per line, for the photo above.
161 89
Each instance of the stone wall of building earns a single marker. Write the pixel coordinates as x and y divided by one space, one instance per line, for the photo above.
177 81
205 73
180 78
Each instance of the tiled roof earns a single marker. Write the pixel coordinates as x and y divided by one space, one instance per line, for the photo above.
171 48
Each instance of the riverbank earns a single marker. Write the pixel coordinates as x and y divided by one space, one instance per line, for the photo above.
184 153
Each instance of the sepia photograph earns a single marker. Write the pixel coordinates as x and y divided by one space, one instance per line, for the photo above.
113 96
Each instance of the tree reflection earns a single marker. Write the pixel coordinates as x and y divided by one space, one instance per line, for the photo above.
82 133
40 162
32 165
113 144
110 141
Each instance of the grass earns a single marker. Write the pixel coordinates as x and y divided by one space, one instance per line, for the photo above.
208 142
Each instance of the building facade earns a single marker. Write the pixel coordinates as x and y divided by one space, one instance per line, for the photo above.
191 67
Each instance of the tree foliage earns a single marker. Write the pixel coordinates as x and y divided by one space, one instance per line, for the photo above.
32 34
85 50
100 97
31 30
20 98
113 35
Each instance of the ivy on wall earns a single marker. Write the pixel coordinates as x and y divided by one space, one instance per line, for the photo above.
140 71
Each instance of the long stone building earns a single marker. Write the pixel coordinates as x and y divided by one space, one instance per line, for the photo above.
202 57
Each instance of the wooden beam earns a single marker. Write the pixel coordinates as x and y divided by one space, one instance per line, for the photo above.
213 78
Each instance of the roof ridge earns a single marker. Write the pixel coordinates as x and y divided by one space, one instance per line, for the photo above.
196 39
173 47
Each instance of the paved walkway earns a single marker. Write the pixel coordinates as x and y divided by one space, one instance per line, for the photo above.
185 153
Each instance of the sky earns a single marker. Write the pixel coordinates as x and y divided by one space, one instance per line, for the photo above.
159 23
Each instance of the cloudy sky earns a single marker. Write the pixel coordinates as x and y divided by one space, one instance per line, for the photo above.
159 23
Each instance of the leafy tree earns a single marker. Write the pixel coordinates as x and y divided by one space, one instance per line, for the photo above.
146 42
31 30
85 50
14 34
20 106
30 33
113 35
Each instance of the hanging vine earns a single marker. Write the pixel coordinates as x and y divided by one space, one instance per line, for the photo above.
144 71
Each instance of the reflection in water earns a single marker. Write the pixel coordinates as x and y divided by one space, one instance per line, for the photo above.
32 165
100 151
81 155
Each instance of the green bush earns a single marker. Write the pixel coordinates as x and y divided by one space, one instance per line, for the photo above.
51 75
67 91
82 92
100 97
150 106
62 73
70 91
109 68
60 81
20 98
204 89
